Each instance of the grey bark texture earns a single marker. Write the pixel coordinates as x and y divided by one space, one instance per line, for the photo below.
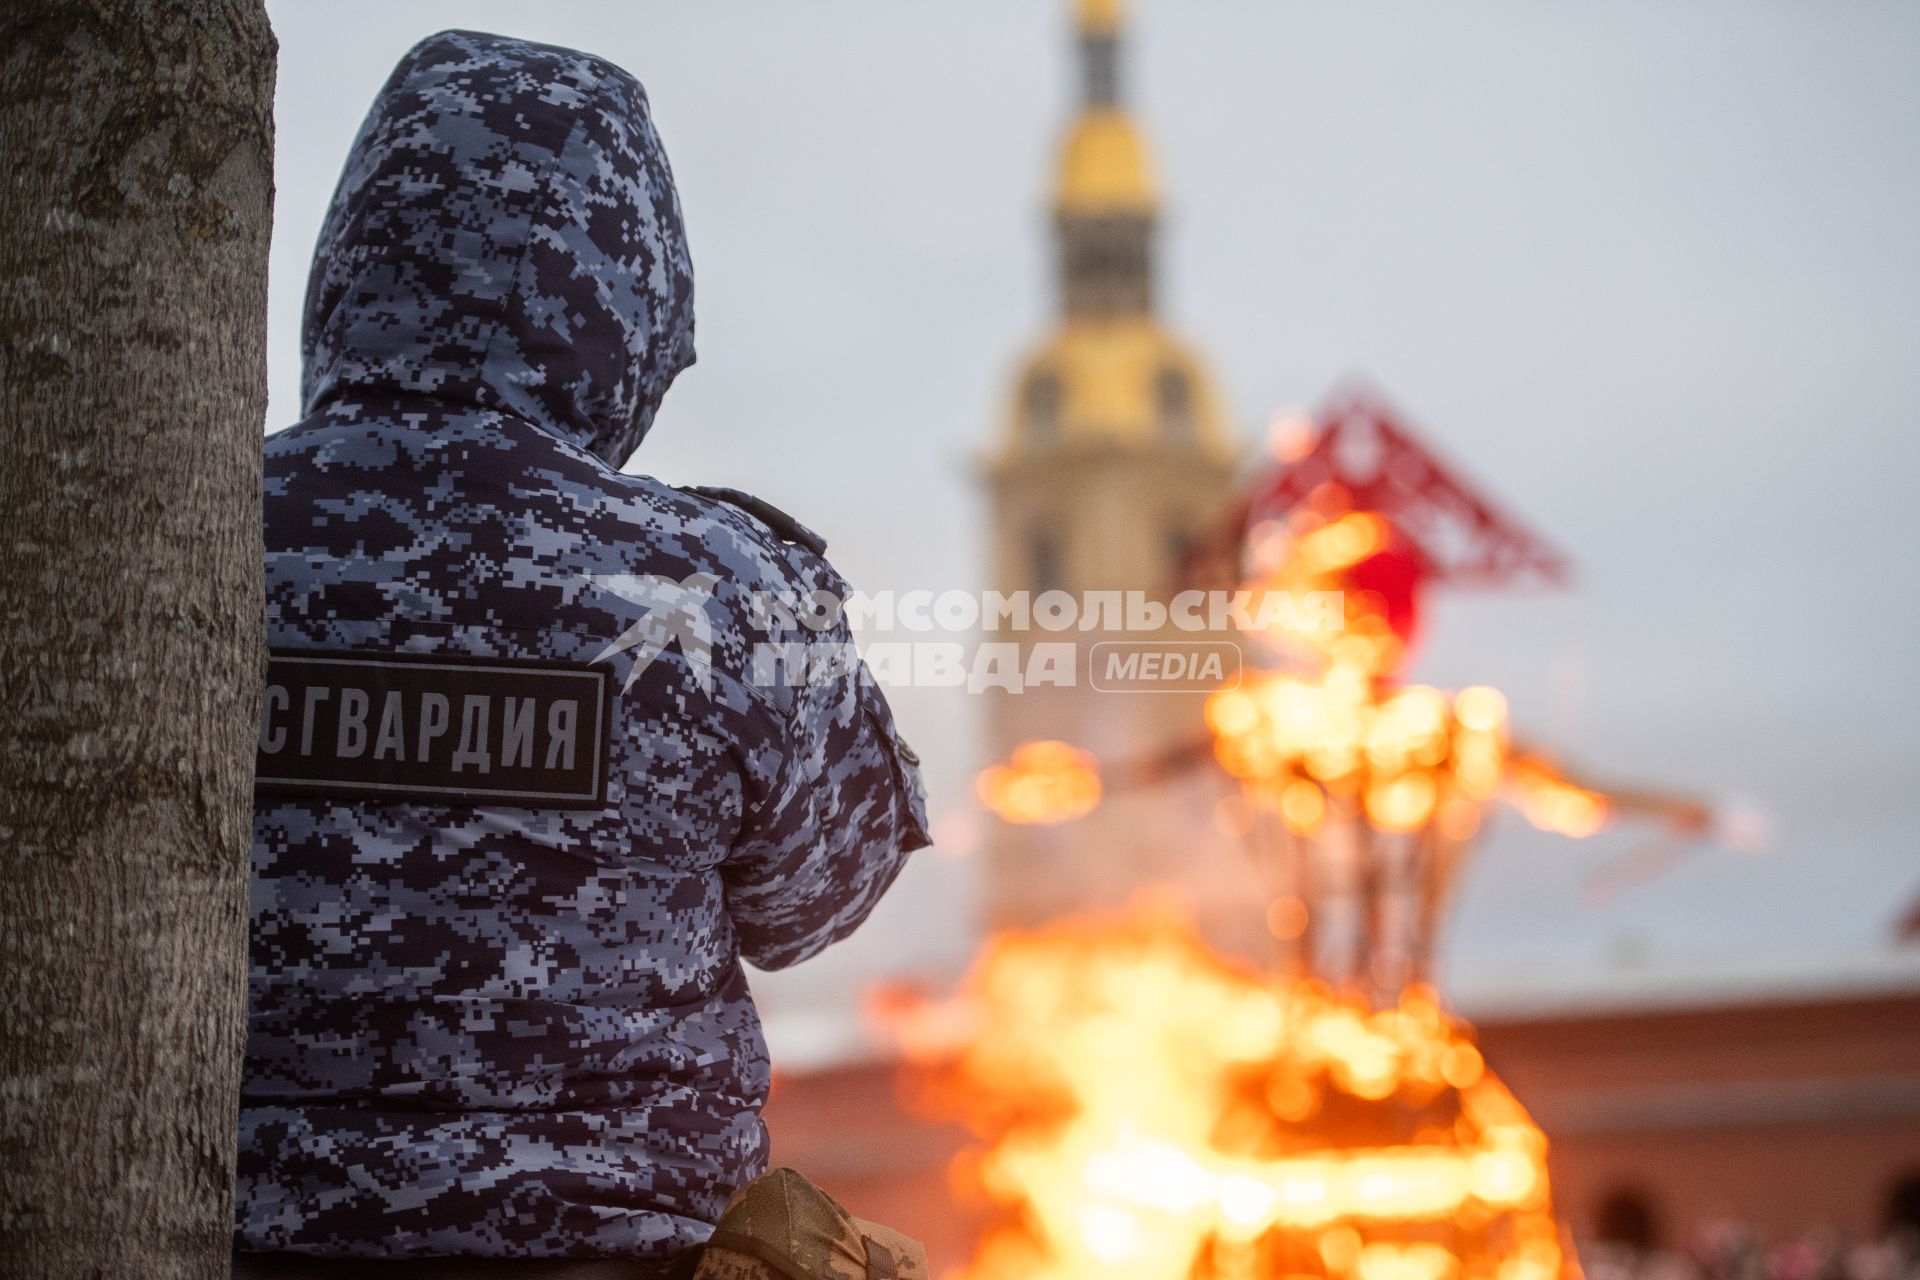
136 189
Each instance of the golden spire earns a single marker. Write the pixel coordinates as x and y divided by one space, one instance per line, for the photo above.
1111 374
1103 167
1101 17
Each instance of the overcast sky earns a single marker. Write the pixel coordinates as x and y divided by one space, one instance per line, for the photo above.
1649 271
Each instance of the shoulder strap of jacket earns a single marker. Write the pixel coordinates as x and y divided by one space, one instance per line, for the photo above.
784 526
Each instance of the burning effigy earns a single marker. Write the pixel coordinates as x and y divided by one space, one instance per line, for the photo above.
1147 1108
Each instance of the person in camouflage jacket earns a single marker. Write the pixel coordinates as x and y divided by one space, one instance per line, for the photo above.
527 795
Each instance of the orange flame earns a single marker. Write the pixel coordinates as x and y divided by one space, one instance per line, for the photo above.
1403 756
1155 1113
1313 551
1149 1111
1042 782
1552 802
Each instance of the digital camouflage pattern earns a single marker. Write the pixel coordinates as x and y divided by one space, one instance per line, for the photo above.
511 1031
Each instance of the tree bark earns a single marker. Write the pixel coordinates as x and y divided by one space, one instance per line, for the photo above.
136 138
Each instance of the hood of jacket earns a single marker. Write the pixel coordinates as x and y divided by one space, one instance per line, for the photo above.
505 233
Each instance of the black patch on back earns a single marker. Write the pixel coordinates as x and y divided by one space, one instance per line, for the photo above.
422 729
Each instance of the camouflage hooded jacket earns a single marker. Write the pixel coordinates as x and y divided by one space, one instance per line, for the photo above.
526 797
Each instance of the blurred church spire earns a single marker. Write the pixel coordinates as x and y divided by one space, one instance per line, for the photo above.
1100 22
1104 169
1114 460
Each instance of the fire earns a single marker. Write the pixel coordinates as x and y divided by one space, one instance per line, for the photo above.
1305 745
1335 742
1149 1110
1362 556
1153 1112
1313 748
1042 782
1553 803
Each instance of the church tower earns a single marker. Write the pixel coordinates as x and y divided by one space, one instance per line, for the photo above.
1115 455
1114 461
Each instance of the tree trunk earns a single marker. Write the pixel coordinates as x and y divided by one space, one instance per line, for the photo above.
136 138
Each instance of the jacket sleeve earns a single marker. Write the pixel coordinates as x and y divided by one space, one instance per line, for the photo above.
837 813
